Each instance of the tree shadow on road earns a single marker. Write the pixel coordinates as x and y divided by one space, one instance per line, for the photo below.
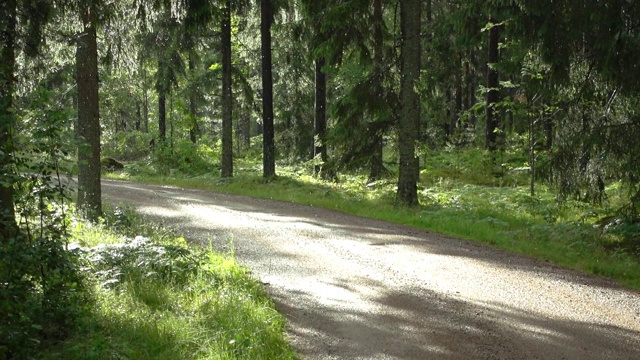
428 325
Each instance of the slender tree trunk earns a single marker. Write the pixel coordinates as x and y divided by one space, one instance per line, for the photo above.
585 153
473 120
138 124
409 126
468 100
245 130
493 94
320 123
171 122
8 225
548 129
458 95
194 130
162 113
466 76
376 166
89 192
226 163
532 154
268 142
145 97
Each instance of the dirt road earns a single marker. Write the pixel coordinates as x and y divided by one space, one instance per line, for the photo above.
355 288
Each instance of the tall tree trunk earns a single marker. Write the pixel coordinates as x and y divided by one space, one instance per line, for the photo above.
320 123
376 166
548 129
226 163
138 124
268 141
458 94
492 137
145 96
89 200
194 130
244 128
409 126
8 225
473 120
467 98
162 113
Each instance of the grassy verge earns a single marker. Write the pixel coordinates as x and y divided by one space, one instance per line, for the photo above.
154 297
459 197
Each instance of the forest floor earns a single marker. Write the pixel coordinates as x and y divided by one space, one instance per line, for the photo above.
356 288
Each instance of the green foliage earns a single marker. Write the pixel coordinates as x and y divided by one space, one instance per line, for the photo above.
127 146
475 167
42 292
109 164
186 157
462 196
141 260
156 297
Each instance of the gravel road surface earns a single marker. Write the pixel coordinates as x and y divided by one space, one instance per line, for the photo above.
355 288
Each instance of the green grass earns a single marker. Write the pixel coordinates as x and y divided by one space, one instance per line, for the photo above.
460 196
160 298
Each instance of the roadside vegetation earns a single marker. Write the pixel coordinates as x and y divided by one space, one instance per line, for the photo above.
460 195
526 125
133 290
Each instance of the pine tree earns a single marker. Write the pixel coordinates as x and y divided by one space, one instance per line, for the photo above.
268 141
409 126
226 163
89 201
8 34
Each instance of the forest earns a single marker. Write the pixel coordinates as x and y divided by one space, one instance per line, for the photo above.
422 106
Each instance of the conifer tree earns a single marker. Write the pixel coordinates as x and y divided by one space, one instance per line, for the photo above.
89 201
226 163
8 34
409 125
269 149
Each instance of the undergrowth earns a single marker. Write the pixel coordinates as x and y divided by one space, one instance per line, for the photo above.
460 196
154 297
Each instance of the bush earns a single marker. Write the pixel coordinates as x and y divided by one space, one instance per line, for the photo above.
41 294
186 158
131 145
110 164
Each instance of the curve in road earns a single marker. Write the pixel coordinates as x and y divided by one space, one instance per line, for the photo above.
356 288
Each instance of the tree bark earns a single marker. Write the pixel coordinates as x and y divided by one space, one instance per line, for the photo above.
226 163
244 128
548 129
268 141
376 166
138 124
162 114
194 130
409 126
458 95
320 123
145 96
8 225
493 122
89 202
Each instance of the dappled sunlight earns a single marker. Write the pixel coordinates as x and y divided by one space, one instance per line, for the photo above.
376 290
